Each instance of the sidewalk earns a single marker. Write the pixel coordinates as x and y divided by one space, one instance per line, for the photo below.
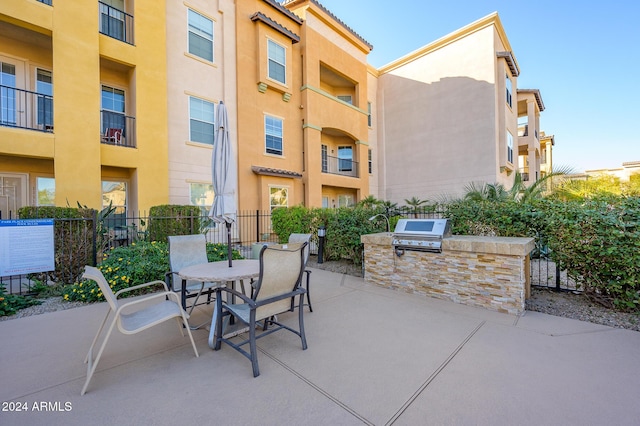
375 356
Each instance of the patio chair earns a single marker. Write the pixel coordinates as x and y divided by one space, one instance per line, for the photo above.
281 268
303 238
113 136
133 321
188 250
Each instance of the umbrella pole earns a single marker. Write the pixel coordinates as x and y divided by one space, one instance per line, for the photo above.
229 251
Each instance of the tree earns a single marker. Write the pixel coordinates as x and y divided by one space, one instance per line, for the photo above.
369 202
415 204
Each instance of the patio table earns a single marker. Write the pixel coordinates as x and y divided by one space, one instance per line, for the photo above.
244 269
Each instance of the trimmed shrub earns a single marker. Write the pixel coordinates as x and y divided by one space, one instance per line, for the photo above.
171 219
598 242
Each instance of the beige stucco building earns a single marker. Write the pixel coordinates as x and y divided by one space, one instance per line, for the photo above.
133 93
447 115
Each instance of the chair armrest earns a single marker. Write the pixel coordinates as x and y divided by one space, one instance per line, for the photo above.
136 287
296 292
244 297
164 294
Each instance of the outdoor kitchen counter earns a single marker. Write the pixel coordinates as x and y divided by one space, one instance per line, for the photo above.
517 246
489 272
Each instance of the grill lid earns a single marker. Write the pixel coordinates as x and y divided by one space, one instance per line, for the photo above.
423 228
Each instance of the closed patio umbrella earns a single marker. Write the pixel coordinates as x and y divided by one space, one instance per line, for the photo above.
224 175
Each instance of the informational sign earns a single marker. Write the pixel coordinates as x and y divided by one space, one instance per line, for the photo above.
26 246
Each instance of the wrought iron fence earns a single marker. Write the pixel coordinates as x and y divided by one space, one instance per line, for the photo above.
25 109
81 241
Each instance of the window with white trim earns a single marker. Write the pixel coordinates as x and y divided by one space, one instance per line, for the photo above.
346 98
201 120
200 36
509 147
201 194
277 61
46 191
345 200
113 109
278 197
114 195
273 135
345 158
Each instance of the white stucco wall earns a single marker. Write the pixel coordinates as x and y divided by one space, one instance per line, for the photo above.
439 120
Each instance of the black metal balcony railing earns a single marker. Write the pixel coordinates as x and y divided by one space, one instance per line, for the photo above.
115 23
26 110
118 129
49 2
339 166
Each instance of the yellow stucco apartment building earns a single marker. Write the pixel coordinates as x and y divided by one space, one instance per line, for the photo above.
115 100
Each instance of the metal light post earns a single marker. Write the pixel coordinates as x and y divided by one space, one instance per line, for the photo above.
322 231
385 218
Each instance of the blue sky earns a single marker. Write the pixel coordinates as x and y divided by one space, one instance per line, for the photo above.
584 57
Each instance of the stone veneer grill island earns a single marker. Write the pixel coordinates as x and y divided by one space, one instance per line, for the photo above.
488 272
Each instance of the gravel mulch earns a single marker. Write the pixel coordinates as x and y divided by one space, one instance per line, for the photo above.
563 304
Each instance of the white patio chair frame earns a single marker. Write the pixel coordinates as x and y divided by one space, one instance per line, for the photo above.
167 308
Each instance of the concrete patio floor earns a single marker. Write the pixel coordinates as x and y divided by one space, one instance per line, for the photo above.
375 356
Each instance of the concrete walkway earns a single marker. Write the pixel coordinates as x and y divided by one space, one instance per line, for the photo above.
375 356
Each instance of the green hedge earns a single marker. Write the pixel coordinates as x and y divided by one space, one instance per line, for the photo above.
168 219
598 243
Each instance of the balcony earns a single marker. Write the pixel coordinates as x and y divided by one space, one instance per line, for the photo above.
118 129
115 23
26 110
339 166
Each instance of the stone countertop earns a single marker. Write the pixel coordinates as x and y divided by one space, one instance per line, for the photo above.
515 246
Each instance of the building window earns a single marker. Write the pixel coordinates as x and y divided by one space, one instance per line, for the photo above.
369 117
325 202
44 88
346 98
325 159
201 120
273 135
345 158
201 194
509 90
277 62
114 195
200 36
370 157
345 200
113 104
112 18
46 189
278 197
509 147
7 93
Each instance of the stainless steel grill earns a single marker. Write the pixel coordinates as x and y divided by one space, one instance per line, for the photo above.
420 235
